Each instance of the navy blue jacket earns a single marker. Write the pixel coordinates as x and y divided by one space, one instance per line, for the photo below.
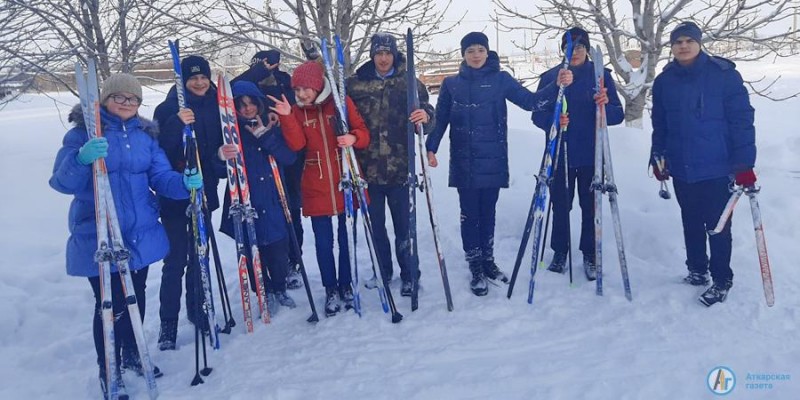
271 222
136 164
702 120
582 111
207 129
473 104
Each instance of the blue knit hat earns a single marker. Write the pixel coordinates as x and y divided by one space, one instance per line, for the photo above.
382 41
194 65
474 38
271 56
686 28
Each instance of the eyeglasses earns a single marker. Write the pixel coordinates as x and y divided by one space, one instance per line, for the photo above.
122 99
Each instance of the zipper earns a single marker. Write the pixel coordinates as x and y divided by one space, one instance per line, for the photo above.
322 130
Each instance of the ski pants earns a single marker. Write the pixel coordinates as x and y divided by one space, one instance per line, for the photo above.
562 196
478 210
701 205
274 258
123 331
396 196
181 250
323 240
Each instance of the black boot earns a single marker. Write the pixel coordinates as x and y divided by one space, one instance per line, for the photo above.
717 293
559 262
346 295
696 279
479 285
492 271
168 335
131 360
589 267
331 301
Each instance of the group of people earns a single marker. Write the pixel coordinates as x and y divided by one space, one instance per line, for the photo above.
703 138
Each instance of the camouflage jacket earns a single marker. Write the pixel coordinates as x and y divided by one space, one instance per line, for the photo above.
383 105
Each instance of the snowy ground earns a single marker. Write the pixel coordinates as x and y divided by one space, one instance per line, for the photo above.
570 344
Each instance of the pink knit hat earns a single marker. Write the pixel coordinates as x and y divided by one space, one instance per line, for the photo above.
308 75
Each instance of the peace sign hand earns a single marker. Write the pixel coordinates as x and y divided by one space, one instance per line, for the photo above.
282 107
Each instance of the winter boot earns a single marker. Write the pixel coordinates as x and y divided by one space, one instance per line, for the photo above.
717 293
272 304
492 271
371 283
293 279
406 289
331 301
696 279
589 267
559 263
168 335
284 299
346 295
479 285
131 361
122 393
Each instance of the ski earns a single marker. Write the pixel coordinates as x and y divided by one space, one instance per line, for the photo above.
606 179
196 203
111 246
241 209
359 185
761 245
276 173
598 181
413 104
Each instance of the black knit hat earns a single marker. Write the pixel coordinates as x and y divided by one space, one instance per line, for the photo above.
686 28
473 38
194 65
579 36
382 41
271 56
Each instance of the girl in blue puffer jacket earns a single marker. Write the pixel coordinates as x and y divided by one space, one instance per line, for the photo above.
136 167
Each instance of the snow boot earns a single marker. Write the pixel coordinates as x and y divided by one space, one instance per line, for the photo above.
168 335
696 279
371 283
559 263
479 285
293 279
331 301
122 393
130 360
717 293
589 267
346 295
284 299
406 289
272 304
492 271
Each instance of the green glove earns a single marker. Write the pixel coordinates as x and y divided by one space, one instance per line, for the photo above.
92 150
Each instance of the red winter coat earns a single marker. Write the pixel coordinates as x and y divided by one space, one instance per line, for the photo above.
312 127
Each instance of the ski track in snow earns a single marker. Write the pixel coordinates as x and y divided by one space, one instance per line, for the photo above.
570 344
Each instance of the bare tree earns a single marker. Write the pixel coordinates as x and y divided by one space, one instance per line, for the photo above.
43 38
730 29
276 25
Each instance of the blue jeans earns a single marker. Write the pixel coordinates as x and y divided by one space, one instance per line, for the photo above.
323 239
701 206
478 209
397 198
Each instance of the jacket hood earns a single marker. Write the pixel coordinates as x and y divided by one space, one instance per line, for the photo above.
77 120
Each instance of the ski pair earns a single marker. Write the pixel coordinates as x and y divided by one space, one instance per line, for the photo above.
603 183
353 183
758 226
540 202
110 244
416 130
